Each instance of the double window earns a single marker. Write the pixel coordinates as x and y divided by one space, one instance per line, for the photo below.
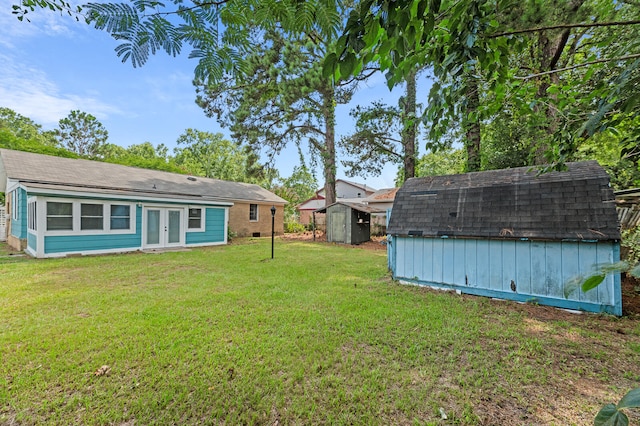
78 216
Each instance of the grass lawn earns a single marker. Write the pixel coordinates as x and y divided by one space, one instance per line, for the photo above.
319 335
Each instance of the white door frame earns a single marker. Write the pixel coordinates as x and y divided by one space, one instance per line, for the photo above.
164 224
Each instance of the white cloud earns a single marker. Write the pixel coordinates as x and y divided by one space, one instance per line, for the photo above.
42 23
29 92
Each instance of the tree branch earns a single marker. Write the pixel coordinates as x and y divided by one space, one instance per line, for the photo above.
599 61
565 26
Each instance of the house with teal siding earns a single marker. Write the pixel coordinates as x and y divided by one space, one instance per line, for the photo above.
61 206
511 234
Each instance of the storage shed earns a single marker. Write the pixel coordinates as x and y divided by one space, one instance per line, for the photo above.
512 234
348 222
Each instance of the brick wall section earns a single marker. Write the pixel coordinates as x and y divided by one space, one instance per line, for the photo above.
577 204
240 224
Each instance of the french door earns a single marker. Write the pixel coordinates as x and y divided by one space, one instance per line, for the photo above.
163 227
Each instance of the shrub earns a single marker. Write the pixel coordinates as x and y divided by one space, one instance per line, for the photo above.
293 227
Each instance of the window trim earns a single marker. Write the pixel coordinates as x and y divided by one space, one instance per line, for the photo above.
76 209
14 205
71 216
257 219
32 215
102 228
111 217
203 213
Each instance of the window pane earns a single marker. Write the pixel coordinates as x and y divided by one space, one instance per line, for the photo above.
253 212
195 218
91 223
91 210
120 223
59 209
119 210
153 226
174 226
59 223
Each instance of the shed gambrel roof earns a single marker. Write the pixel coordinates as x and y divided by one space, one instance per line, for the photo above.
76 175
577 204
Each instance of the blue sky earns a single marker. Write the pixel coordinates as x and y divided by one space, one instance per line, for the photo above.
53 65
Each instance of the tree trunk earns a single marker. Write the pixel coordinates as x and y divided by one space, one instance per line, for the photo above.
409 127
329 152
472 124
551 46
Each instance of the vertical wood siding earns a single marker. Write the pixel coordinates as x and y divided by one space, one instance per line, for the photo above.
537 270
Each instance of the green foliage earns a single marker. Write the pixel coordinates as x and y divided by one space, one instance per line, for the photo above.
294 227
217 32
611 414
24 128
210 155
82 133
23 134
297 188
580 75
444 162
630 244
281 98
143 155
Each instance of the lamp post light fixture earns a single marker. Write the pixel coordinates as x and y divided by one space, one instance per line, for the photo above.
273 222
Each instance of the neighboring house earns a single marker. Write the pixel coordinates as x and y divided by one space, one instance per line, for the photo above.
510 234
344 190
60 206
382 201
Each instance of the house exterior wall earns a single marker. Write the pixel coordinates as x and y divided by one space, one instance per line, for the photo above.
40 242
240 224
526 271
16 227
54 244
214 229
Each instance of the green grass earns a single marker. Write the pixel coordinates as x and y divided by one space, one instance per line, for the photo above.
319 335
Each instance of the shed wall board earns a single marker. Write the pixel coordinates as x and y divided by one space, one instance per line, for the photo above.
539 269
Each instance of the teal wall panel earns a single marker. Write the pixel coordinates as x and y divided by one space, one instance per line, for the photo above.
95 242
32 241
539 270
214 228
19 225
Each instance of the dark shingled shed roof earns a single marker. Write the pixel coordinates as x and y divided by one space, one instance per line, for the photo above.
577 204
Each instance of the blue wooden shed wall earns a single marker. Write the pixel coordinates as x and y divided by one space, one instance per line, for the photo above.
539 269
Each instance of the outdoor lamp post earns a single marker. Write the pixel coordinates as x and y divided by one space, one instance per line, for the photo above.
273 222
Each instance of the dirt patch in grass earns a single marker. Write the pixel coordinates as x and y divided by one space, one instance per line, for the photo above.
376 243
